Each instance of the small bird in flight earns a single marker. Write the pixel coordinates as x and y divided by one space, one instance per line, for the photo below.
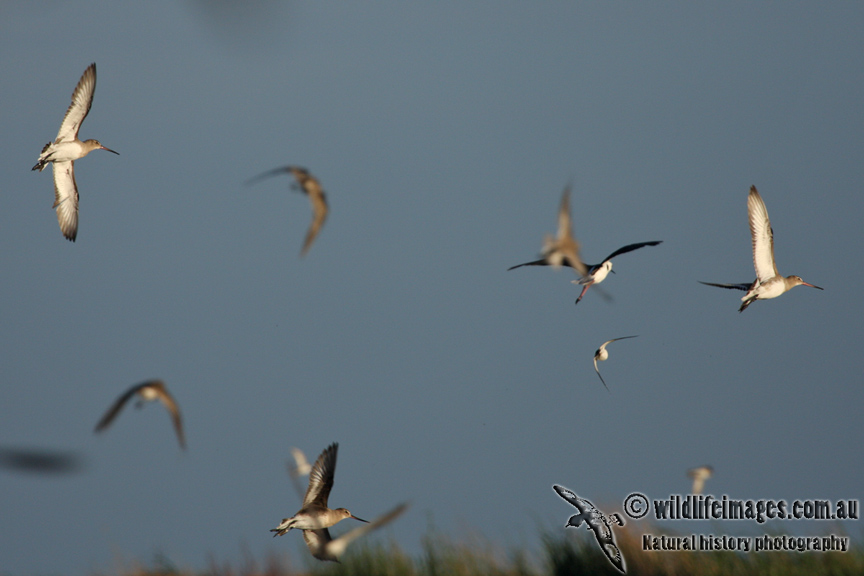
699 476
598 272
146 392
67 148
301 467
768 283
602 354
310 186
315 515
563 249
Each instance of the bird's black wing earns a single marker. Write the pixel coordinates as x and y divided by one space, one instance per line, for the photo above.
630 248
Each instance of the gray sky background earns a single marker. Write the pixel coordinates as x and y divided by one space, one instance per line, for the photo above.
443 134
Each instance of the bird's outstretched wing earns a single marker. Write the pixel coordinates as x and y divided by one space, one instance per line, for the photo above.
321 477
82 99
66 198
762 237
629 248
744 287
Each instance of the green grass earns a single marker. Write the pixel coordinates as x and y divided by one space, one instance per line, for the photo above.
562 553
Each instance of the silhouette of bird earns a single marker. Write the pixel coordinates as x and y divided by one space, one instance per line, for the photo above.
597 522
67 148
310 186
601 354
315 514
323 547
699 476
146 392
768 283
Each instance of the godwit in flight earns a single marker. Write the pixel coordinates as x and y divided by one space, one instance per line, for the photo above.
67 148
768 283
315 515
699 476
146 391
310 186
301 467
563 249
602 354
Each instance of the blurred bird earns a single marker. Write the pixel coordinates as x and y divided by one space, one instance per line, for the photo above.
602 354
301 467
323 547
310 186
699 476
563 249
67 148
315 514
769 283
146 391
40 461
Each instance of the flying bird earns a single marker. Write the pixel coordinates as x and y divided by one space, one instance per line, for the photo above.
602 354
699 476
324 547
597 522
563 249
310 186
768 283
315 515
598 272
301 467
67 148
146 392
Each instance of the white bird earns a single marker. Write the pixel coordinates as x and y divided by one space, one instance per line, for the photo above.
768 283
699 476
602 354
563 249
315 514
67 148
146 392
324 547
310 186
598 272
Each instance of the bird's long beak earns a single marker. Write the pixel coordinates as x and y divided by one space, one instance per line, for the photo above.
108 150
811 285
360 519
612 271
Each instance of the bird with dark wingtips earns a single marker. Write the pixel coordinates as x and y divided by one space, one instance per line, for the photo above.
768 283
310 186
602 354
597 522
324 547
67 148
146 392
563 250
315 515
598 272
